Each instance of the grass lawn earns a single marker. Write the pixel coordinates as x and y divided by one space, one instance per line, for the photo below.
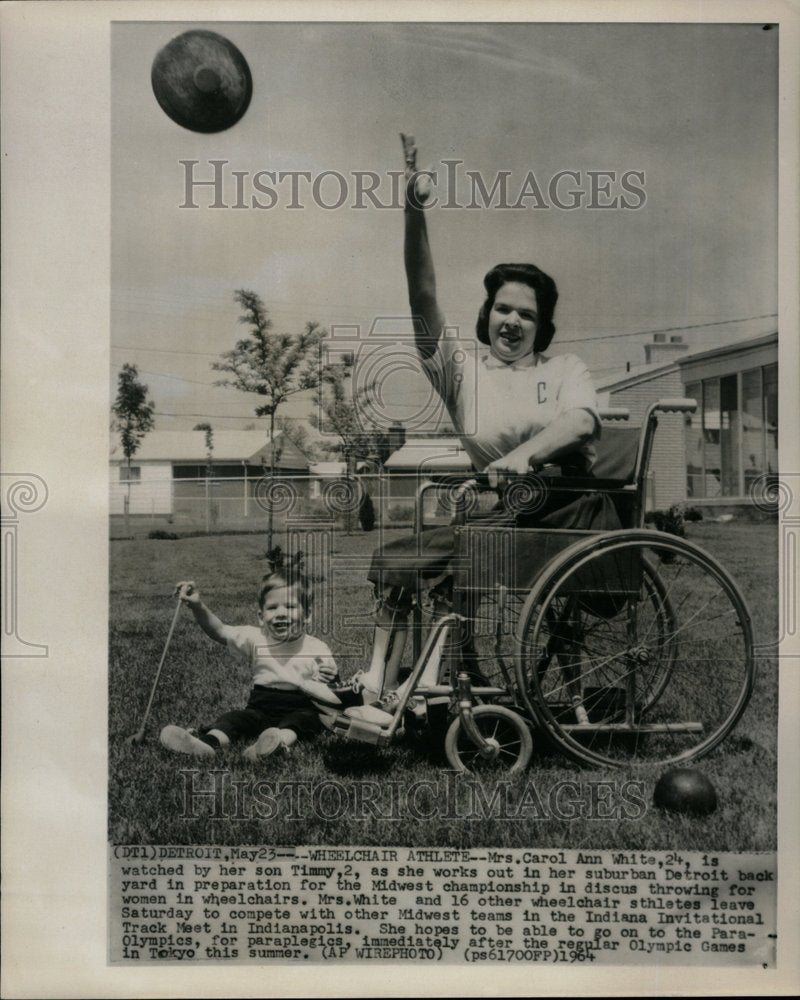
331 792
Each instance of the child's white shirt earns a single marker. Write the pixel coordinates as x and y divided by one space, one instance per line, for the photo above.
495 407
281 665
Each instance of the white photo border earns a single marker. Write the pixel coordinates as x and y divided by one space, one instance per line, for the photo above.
56 205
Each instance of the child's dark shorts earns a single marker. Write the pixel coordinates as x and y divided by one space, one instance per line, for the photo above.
268 707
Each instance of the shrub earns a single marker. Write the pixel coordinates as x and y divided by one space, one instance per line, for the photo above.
692 514
670 521
402 512
366 512
159 533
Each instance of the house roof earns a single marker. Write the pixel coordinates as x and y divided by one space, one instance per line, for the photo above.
430 454
636 373
624 378
327 469
333 470
228 446
742 345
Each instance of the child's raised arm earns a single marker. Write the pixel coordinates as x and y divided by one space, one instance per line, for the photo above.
212 626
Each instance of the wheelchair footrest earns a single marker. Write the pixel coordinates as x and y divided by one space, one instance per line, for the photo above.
370 714
360 729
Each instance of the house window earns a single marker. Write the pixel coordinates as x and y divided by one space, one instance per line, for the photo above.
132 475
693 435
729 442
771 417
753 442
712 455
734 439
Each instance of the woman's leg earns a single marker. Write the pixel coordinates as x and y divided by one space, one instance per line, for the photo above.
442 605
388 645
395 572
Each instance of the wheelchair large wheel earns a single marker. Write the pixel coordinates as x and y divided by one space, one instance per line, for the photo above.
635 647
508 736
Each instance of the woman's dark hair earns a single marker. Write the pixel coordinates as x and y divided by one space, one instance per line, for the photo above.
285 573
546 297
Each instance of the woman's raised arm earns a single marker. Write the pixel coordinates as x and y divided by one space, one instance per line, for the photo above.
427 317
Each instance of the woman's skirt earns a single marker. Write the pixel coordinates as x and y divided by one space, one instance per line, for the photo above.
422 558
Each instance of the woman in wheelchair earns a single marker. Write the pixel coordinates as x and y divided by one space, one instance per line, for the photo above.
514 408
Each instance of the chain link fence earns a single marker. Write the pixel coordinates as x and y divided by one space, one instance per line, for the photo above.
217 506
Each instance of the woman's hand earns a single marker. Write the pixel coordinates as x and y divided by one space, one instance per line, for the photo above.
187 591
418 186
563 436
516 463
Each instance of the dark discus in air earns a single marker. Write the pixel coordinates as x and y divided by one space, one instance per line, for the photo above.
685 790
202 81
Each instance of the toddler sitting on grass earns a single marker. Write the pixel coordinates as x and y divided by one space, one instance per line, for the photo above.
287 664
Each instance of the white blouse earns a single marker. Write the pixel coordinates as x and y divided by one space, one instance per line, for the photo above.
494 407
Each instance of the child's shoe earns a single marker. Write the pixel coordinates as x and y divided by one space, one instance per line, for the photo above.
388 702
182 741
267 743
352 691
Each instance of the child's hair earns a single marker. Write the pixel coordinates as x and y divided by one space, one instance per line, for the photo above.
285 573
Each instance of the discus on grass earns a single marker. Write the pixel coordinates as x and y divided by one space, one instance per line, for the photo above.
685 790
202 81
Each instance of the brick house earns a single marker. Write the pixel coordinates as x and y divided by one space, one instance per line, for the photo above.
731 443
635 391
715 455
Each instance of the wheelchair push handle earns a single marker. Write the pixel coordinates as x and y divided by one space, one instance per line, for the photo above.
609 413
679 404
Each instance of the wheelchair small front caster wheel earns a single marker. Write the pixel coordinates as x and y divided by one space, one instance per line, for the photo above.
510 743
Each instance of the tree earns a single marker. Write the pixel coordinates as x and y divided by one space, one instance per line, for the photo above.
344 408
209 448
297 432
133 416
271 365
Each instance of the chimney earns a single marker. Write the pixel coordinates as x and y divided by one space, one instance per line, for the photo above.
397 437
661 351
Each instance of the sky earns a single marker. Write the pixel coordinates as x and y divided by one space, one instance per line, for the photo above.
691 109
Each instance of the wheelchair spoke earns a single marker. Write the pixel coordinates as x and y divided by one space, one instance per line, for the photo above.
658 673
510 743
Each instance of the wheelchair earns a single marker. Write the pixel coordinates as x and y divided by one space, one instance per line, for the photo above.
619 648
